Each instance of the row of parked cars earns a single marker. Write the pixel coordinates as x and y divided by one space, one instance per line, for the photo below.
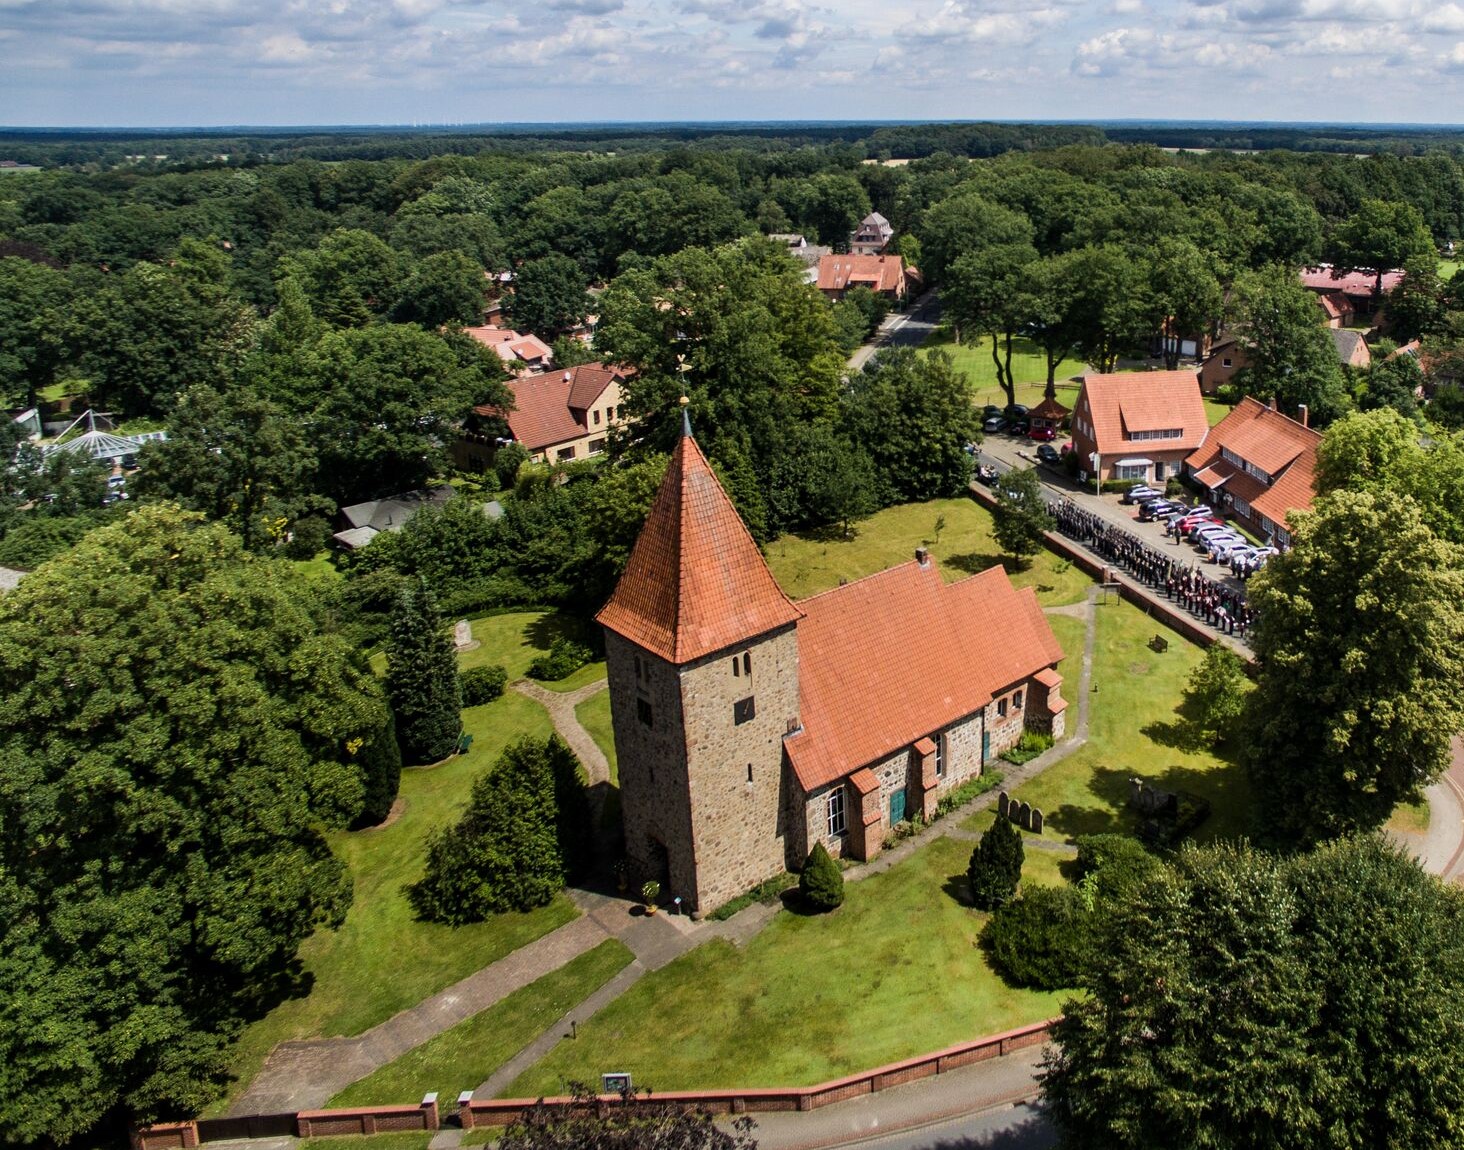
1200 526
1012 419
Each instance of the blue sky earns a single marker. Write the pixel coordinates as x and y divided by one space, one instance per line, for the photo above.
157 62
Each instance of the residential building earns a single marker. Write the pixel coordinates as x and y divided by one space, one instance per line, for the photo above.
872 236
1336 307
1138 425
749 727
520 352
800 249
1352 349
558 417
1260 465
884 275
1227 356
1361 288
365 521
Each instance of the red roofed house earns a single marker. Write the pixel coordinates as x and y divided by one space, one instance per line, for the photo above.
1259 464
1226 357
872 235
1360 287
883 275
558 416
518 351
1336 307
749 727
1140 424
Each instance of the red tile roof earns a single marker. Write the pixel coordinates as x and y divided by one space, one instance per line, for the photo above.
549 406
696 582
1126 402
1049 409
1335 304
896 656
1324 277
1277 444
878 273
509 344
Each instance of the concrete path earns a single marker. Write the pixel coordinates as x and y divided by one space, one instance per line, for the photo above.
561 705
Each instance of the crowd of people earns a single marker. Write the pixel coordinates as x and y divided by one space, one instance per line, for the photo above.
1221 606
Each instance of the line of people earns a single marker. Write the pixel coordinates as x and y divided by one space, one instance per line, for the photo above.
1222 607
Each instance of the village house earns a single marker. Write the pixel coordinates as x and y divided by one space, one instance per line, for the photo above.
1359 288
519 352
872 236
1138 425
365 521
1259 465
800 249
1336 307
883 275
1352 349
749 727
1227 356
558 417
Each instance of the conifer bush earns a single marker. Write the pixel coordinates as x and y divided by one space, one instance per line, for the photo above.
821 885
422 679
1040 940
996 865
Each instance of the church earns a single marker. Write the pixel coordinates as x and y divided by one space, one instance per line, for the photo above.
749 727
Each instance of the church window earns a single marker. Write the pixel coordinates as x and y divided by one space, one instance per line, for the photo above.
637 667
744 710
749 772
940 763
747 662
736 666
836 811
1001 708
643 712
1017 701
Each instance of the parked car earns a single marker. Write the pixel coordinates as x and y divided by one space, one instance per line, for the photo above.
1015 411
987 474
1155 510
989 411
1020 427
1140 492
1046 453
994 424
1220 543
1042 433
1191 522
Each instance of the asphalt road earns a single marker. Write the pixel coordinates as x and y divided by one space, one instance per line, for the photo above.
1019 1127
902 329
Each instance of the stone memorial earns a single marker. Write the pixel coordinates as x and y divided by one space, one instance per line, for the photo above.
462 636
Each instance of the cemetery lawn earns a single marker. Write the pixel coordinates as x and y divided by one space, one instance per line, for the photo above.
594 716
892 973
807 564
463 1057
517 638
1134 728
382 960
589 673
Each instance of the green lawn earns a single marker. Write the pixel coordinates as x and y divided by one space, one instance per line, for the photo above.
1071 635
893 973
1215 411
1410 818
807 564
1447 269
382 959
403 1140
318 569
1029 370
463 1057
594 717
62 388
1135 729
516 639
589 673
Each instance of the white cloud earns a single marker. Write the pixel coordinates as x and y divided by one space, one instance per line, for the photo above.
1444 18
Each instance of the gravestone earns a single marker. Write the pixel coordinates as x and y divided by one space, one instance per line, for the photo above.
1003 803
1036 827
462 636
1024 816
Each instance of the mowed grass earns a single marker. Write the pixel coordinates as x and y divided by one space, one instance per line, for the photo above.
1135 729
382 960
517 638
403 1140
594 716
462 1058
1029 369
1072 635
807 564
1215 411
892 973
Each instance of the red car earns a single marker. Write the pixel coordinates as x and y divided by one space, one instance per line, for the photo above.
1044 433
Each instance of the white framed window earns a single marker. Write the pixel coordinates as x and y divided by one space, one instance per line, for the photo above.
1131 471
1001 708
566 454
835 811
597 446
940 751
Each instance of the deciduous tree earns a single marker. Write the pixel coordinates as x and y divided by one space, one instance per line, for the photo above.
1021 517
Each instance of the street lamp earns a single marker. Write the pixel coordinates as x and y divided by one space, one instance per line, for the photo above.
1097 461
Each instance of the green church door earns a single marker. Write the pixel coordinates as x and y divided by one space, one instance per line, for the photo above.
897 807
985 746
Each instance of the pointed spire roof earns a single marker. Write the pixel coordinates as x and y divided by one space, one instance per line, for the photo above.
696 582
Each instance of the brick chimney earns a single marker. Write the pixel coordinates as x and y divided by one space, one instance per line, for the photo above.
1273 403
1304 415
922 556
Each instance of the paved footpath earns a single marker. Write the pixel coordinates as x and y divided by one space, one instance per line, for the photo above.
561 705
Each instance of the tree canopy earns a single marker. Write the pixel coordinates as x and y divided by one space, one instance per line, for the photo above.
178 730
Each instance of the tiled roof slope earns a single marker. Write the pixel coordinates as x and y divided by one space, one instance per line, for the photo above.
589 382
1146 401
696 582
878 273
896 656
549 406
1277 444
1324 277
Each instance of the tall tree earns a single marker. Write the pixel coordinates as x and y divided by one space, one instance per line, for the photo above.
178 729
1021 518
967 223
422 679
1233 1001
1187 299
1290 356
1381 235
548 296
239 460
445 288
985 295
1361 656
34 300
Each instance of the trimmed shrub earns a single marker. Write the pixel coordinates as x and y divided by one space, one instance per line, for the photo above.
422 679
821 884
1117 863
483 684
996 865
1040 940
963 794
565 657
381 775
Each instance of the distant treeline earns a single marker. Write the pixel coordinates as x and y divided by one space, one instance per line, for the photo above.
105 148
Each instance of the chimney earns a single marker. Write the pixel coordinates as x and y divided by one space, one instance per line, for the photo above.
1304 415
922 556
1273 403
568 375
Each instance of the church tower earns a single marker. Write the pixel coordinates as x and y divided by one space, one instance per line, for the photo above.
701 646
